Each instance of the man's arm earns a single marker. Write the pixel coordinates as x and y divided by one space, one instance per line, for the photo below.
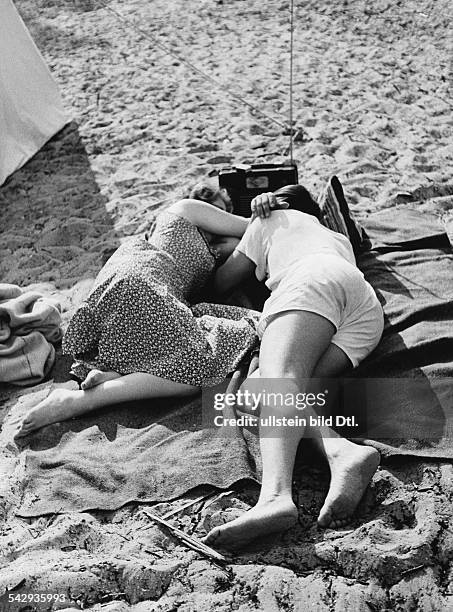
234 271
210 218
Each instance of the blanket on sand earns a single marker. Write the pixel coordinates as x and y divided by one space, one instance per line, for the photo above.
153 451
147 451
403 393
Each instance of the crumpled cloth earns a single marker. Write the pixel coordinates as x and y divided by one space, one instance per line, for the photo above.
29 326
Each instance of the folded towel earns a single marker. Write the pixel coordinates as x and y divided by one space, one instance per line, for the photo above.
30 311
29 324
26 360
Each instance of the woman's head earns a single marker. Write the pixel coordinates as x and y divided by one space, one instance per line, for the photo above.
212 195
299 198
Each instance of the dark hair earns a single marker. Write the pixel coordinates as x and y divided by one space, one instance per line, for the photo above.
300 199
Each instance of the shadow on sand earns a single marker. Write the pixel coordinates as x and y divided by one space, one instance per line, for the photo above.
54 216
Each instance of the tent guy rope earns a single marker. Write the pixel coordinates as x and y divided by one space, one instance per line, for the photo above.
238 98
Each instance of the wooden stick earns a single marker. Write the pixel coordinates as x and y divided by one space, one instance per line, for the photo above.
190 541
192 502
412 569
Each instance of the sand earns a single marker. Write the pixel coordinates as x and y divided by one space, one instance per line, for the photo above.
372 104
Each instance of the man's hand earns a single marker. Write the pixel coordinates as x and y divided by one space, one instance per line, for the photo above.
263 204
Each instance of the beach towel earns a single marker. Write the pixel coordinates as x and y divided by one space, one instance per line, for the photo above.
403 393
146 451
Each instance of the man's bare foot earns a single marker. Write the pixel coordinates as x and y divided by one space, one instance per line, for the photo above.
277 514
96 377
351 473
60 405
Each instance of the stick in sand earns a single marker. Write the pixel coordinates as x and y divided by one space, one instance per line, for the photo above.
189 541
192 502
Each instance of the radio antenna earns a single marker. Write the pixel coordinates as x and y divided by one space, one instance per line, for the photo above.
291 56
177 56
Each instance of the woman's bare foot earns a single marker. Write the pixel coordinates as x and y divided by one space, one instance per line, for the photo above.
268 516
96 377
60 405
351 473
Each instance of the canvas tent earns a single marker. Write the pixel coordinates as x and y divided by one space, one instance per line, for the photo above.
31 109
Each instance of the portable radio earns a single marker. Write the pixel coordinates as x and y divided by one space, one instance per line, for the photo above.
243 182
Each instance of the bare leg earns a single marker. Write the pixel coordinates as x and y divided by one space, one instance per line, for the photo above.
291 347
65 404
351 465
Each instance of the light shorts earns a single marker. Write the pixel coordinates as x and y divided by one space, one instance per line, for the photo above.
335 289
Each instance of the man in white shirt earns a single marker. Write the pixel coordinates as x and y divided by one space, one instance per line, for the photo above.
322 317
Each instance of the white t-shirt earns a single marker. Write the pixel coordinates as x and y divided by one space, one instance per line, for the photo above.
285 238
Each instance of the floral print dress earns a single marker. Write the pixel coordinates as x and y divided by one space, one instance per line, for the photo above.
138 316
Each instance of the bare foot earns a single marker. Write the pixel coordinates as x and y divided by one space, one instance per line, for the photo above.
351 473
96 377
58 406
277 514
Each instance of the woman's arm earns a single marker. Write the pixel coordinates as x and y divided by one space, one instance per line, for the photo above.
209 218
223 246
234 271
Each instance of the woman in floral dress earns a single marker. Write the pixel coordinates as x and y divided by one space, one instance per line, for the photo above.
137 335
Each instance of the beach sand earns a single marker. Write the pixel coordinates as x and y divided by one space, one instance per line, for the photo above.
372 104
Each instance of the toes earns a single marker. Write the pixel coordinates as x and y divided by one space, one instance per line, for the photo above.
96 377
327 520
341 522
27 426
23 431
93 378
334 523
212 535
324 518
